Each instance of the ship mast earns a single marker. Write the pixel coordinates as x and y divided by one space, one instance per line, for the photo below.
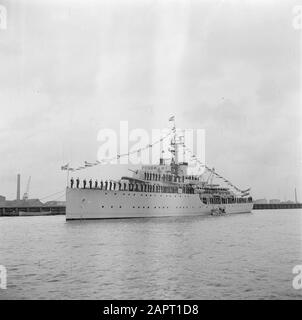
174 148
174 145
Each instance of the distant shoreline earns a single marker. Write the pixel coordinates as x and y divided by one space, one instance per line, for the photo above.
15 212
263 206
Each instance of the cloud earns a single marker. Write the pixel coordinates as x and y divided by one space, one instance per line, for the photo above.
71 68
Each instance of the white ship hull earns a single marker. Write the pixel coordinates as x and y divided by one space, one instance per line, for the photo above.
105 204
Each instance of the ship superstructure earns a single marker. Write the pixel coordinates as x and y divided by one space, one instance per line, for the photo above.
157 190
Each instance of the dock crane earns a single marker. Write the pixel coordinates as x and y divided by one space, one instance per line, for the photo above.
26 193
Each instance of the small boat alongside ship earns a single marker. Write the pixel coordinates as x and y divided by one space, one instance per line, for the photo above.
161 190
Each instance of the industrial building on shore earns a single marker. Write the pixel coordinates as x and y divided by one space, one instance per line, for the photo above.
27 206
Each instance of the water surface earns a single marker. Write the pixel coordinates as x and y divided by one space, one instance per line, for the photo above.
243 256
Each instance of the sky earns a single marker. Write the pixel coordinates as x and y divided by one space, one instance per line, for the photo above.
71 68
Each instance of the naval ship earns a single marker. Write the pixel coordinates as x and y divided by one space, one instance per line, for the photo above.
158 190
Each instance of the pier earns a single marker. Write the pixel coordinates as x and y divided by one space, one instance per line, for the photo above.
263 206
60 209
32 211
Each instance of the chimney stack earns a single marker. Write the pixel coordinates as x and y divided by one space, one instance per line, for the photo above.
18 186
296 200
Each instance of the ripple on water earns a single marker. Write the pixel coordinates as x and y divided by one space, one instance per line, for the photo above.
240 256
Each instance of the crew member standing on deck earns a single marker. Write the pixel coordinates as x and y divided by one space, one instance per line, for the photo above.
96 184
84 183
71 182
78 182
90 183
